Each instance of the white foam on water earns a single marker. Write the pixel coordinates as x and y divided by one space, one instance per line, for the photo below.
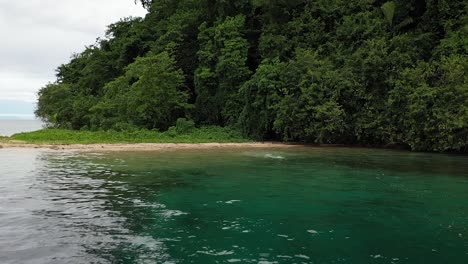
302 256
171 213
140 203
214 253
265 155
272 156
312 232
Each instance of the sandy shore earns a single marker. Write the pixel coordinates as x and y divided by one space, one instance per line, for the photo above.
146 146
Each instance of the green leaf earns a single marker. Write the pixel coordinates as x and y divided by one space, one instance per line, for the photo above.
388 9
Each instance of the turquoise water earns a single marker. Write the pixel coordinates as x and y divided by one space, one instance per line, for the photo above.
306 205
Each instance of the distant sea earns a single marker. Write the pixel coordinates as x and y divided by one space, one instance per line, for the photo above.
10 127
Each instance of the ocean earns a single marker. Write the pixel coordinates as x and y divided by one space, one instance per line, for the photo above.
10 127
304 205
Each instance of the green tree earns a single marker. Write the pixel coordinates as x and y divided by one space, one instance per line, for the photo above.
222 70
310 109
55 105
429 105
262 94
150 94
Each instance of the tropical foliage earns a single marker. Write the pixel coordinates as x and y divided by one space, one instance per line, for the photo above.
366 72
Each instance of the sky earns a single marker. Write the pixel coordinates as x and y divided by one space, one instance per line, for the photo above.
39 35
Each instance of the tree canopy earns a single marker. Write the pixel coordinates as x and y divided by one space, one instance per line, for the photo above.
321 71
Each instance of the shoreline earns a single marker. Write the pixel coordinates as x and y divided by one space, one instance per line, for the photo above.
129 147
146 146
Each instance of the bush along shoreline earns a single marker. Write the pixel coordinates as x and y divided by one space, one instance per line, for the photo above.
177 134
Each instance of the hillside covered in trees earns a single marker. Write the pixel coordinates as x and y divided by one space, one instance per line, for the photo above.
320 71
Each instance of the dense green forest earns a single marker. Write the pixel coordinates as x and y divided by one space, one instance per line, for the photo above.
365 72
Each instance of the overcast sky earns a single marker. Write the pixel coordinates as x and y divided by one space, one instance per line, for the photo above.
39 35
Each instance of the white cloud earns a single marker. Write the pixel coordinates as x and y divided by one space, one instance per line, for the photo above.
39 35
21 86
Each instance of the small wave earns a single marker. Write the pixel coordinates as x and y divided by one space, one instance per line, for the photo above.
233 201
265 155
302 256
170 213
272 156
214 253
